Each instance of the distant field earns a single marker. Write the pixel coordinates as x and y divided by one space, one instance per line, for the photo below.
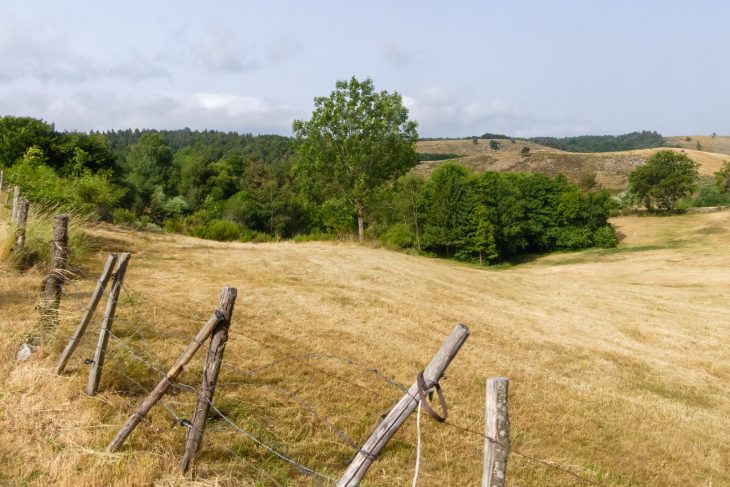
617 359
719 144
611 168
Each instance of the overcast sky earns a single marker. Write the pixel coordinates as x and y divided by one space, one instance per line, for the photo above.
517 67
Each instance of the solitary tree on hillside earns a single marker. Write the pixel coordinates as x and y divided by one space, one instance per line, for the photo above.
666 177
493 144
356 141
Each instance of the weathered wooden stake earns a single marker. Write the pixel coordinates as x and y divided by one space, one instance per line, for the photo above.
496 443
88 313
16 198
106 325
22 223
403 408
212 366
57 276
228 297
2 178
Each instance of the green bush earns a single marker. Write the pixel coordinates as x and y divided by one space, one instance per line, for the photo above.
221 230
572 238
398 236
605 237
248 235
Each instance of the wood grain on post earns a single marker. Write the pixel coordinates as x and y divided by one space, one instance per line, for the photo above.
403 408
496 443
228 297
106 325
22 223
211 368
57 275
16 198
88 313
2 180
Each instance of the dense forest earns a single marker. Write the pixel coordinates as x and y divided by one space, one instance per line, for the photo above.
230 186
604 143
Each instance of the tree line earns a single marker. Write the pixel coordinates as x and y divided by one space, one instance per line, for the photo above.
348 169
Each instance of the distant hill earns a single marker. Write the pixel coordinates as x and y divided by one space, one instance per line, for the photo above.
611 168
719 144
604 143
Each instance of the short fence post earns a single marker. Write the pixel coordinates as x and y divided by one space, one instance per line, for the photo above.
2 178
57 275
403 408
88 313
228 297
22 223
16 197
212 367
106 326
496 442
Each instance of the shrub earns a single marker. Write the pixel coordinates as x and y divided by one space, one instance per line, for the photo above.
221 230
248 235
397 236
525 151
605 237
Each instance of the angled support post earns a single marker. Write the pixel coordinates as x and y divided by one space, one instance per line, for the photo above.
228 297
403 408
88 313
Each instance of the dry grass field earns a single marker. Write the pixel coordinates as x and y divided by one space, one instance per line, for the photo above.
611 168
617 358
719 144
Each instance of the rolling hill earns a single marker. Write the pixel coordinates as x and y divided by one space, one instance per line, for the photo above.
611 168
617 359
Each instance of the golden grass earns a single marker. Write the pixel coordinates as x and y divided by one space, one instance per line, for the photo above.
611 168
719 144
617 359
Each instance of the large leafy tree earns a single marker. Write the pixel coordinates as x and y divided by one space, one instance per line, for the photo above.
356 141
666 177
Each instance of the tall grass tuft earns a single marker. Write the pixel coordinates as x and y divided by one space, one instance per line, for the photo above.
39 235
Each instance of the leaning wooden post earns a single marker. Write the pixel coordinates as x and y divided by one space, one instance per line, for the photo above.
88 313
228 297
496 442
97 363
16 198
403 408
22 223
212 366
57 275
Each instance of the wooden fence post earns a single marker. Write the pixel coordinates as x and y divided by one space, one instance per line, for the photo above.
88 313
496 443
16 197
106 326
228 297
211 368
22 223
57 275
2 180
403 408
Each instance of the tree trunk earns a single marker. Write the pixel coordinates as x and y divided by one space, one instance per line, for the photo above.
360 225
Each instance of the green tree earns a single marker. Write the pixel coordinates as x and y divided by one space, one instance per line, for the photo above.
356 141
525 151
665 177
480 237
698 145
149 163
722 178
494 145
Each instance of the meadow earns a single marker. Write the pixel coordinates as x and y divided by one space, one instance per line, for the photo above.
617 361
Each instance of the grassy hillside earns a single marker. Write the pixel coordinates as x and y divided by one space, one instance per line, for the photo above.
617 359
719 144
611 168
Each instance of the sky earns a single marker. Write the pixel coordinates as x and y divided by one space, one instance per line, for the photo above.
527 68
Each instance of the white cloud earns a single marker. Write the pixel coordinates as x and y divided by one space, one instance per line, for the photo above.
440 113
396 55
219 51
84 110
